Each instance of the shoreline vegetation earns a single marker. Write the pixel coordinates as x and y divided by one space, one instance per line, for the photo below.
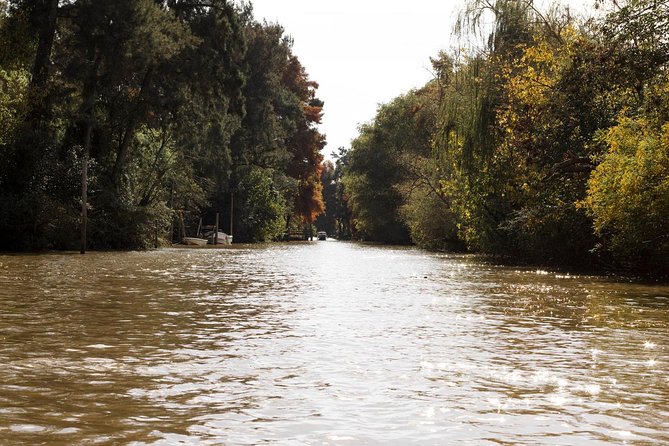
543 139
126 118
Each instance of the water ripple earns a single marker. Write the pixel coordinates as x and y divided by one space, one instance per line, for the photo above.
329 342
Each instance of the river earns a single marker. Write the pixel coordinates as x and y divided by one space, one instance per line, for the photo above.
325 343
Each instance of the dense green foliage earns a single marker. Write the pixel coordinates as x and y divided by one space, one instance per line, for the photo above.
547 143
160 109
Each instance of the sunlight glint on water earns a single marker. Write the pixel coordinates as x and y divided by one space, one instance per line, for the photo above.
325 342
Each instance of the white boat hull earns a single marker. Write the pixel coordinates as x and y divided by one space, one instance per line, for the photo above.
223 238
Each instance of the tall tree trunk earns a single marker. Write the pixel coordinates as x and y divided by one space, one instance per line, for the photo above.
44 17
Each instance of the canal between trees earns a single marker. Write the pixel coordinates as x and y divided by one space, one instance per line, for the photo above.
325 343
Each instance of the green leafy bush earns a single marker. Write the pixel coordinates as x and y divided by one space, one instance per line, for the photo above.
628 194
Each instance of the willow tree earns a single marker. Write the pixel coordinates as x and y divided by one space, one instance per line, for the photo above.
469 133
500 132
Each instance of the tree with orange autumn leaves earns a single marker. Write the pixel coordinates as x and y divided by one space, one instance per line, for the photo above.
305 144
148 112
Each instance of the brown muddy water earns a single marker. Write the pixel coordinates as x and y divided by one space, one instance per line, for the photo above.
325 343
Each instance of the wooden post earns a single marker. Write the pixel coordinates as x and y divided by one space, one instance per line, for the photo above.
216 230
172 214
232 205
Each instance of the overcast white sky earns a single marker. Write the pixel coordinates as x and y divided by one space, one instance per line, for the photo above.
362 52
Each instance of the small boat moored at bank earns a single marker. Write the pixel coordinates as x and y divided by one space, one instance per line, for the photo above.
221 239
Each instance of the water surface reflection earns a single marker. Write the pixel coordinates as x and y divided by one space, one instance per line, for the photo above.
324 343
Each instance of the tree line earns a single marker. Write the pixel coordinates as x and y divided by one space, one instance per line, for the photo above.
132 113
546 143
